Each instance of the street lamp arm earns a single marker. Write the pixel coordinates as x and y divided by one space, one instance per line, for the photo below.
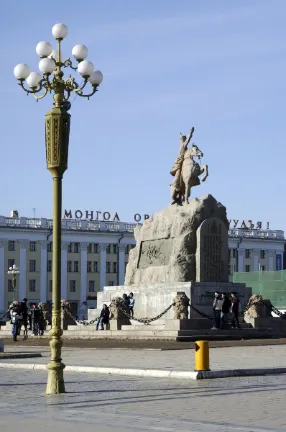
79 92
33 89
68 63
42 95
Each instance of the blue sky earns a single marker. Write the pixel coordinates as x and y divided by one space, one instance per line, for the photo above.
218 65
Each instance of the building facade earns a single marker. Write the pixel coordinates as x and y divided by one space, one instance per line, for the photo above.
95 254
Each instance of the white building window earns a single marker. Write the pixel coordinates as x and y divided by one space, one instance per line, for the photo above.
10 285
115 249
95 266
32 265
11 245
75 266
95 247
247 268
50 285
114 267
108 267
88 265
108 249
11 262
69 266
89 248
91 286
32 285
69 247
76 247
49 265
72 286
247 253
263 268
33 246
50 247
234 253
262 254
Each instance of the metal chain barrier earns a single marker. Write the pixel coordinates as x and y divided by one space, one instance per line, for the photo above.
146 321
201 313
78 322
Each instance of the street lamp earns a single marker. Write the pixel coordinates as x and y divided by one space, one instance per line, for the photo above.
57 141
13 271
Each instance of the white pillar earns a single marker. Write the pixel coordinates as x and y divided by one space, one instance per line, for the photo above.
23 269
64 271
241 253
102 248
271 260
255 263
83 272
43 273
3 307
121 264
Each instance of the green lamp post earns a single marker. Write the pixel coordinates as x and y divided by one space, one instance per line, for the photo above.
57 141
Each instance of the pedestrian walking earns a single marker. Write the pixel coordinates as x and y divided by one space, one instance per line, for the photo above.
226 305
235 306
104 317
217 307
131 305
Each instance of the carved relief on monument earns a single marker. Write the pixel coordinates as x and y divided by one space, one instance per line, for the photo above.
212 251
155 253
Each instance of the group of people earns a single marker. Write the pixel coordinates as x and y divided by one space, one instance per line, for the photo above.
31 318
104 314
226 309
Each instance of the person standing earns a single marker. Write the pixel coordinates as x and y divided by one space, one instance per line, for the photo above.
131 305
235 305
104 317
24 313
226 305
217 309
15 320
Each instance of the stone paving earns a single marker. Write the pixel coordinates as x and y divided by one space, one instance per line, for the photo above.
117 404
220 358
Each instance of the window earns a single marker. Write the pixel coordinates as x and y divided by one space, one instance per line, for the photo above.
91 286
114 267
32 246
89 248
50 247
11 262
11 245
108 249
76 247
247 253
234 268
10 285
115 249
72 286
262 254
247 268
95 266
229 269
32 285
95 247
69 247
75 266
69 263
263 268
32 265
50 285
234 253
108 267
110 283
88 267
49 265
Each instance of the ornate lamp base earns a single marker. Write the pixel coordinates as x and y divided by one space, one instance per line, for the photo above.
55 384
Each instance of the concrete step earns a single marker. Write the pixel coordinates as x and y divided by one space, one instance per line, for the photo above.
142 328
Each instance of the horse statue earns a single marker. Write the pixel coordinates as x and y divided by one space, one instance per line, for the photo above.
186 171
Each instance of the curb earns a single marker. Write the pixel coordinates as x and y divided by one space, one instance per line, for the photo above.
152 373
5 356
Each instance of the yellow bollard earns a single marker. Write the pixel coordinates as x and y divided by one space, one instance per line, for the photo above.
202 362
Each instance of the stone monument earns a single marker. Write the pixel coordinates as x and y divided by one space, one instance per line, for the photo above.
180 249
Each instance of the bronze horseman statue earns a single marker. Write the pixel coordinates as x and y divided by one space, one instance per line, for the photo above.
186 170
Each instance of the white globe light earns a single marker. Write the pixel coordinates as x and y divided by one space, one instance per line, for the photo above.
44 49
47 65
80 52
85 68
95 78
54 54
21 71
33 79
59 31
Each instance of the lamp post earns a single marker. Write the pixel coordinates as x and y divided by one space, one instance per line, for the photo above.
13 271
57 127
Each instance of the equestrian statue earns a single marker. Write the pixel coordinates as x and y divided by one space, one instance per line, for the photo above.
186 170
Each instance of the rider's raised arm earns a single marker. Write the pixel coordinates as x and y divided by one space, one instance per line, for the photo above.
189 137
